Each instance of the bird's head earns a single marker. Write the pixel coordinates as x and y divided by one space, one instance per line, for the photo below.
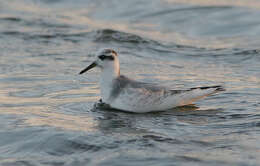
107 60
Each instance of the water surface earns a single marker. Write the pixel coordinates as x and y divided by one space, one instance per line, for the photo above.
46 108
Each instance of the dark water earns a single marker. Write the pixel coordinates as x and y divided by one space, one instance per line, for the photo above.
46 108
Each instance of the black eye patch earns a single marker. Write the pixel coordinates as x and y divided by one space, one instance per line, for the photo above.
102 57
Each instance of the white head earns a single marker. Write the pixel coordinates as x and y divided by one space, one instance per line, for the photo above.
107 61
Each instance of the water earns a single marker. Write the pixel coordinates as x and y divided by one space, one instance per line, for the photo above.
46 108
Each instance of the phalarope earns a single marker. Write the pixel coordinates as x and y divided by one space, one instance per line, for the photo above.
123 93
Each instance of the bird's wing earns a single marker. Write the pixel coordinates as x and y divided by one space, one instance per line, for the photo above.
126 85
134 95
123 82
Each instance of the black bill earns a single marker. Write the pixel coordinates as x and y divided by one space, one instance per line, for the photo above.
88 68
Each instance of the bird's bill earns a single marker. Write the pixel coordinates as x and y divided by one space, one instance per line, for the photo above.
92 65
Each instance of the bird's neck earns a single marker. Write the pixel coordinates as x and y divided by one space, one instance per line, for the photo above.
108 75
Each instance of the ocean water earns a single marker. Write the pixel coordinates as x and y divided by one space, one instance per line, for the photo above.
47 113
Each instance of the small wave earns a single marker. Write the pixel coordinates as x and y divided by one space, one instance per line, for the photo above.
33 22
221 3
74 37
42 23
106 36
189 9
13 19
58 35
162 139
13 33
27 94
109 35
67 147
18 162
248 52
189 159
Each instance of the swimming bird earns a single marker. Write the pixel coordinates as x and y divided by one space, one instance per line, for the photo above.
123 93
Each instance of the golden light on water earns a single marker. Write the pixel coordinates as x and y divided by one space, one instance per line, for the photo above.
41 112
41 116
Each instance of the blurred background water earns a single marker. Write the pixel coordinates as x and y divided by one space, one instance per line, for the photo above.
46 108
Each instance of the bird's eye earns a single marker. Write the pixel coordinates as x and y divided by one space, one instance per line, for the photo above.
102 57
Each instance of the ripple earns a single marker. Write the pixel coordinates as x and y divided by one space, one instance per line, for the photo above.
162 139
72 37
189 159
19 162
21 79
58 146
110 35
248 52
27 94
12 19
189 9
14 33
254 4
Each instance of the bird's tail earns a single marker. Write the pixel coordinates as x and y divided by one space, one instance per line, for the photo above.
216 89
194 94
